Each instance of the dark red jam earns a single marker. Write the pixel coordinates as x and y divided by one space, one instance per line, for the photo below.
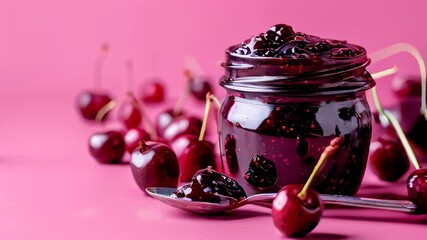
208 185
288 95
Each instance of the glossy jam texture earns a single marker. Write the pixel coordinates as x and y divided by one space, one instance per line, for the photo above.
208 185
281 41
267 144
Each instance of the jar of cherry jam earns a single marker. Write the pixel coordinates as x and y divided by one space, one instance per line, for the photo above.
288 95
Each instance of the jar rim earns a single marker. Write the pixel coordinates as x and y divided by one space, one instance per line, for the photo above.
296 76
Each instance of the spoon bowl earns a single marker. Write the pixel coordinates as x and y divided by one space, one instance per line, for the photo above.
163 194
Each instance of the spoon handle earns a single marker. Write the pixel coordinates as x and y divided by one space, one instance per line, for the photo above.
395 205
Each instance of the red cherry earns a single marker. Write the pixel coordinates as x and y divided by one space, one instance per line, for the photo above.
297 209
154 164
107 147
94 106
133 136
153 92
182 125
130 113
293 216
193 155
417 188
406 86
164 119
388 159
199 88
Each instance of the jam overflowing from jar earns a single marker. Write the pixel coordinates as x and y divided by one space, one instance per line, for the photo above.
208 185
288 95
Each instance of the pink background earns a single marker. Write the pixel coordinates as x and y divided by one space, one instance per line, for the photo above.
50 188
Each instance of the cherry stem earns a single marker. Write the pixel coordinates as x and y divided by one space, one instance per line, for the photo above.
104 110
147 122
99 65
142 145
405 47
329 151
393 121
395 124
205 117
130 75
215 100
183 97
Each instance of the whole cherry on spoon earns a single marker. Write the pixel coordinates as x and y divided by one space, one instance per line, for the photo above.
96 104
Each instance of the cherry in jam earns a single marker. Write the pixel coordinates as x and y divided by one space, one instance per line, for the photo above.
262 173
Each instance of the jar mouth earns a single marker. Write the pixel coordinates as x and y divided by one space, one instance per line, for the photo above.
324 76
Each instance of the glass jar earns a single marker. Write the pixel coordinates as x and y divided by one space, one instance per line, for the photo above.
279 114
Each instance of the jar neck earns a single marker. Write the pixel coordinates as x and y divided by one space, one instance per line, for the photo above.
296 76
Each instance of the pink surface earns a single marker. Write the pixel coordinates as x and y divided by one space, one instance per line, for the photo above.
50 187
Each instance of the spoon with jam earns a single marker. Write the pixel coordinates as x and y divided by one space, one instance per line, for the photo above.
211 192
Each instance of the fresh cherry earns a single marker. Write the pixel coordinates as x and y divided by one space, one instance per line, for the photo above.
293 216
133 136
388 159
154 164
182 125
152 92
199 87
406 86
165 118
208 185
297 209
417 188
94 106
107 147
130 112
193 154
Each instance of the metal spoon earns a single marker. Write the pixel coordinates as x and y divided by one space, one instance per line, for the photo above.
163 194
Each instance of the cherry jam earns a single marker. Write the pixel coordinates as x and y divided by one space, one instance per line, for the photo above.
288 95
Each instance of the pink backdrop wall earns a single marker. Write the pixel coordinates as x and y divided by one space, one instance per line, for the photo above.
49 46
